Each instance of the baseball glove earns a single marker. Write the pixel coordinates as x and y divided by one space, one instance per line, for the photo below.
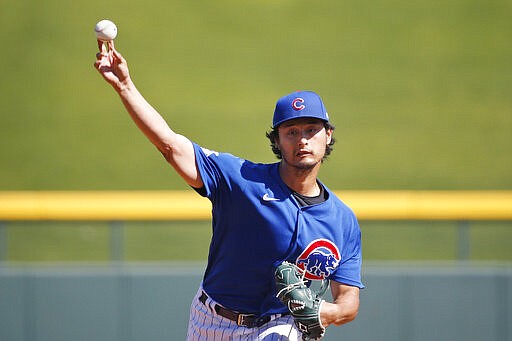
303 303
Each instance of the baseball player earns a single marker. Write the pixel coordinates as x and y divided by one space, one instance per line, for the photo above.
262 215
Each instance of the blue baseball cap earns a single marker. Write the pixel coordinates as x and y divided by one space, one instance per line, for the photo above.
299 104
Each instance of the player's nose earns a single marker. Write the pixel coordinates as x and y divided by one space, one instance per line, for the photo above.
303 137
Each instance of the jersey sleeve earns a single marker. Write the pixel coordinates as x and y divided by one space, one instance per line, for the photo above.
349 269
215 170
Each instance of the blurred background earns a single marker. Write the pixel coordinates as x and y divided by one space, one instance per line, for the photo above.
419 92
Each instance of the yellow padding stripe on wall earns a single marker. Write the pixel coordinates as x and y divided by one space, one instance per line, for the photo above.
188 205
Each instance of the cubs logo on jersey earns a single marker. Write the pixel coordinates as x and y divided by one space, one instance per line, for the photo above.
319 259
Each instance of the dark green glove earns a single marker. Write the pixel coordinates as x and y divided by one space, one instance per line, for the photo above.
303 303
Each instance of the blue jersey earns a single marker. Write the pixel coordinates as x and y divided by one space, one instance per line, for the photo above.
257 223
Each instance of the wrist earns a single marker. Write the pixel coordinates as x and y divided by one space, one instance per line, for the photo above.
323 323
125 86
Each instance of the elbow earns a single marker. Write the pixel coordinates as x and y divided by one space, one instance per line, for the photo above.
166 151
349 316
352 315
345 314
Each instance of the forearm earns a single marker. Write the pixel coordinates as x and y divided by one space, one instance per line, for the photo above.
147 119
337 314
344 307
177 149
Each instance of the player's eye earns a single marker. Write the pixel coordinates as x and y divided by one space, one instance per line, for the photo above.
312 130
318 127
293 132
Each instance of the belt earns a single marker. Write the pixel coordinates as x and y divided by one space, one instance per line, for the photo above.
243 320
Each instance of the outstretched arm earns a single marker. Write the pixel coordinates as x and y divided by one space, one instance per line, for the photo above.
345 306
176 149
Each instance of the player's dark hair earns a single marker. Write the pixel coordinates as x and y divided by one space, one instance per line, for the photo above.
273 134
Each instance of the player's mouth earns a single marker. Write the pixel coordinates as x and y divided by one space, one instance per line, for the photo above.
303 153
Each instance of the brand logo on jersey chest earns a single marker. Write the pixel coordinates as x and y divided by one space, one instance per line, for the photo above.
319 259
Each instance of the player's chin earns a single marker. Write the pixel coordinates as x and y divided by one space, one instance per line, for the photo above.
306 163
302 162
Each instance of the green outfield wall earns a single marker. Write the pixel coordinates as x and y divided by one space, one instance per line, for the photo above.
150 302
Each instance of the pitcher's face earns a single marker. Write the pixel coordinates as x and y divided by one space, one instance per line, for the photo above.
302 142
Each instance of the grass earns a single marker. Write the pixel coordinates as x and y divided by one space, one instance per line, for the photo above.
419 91
188 241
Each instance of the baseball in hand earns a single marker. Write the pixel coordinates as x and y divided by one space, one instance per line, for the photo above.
105 30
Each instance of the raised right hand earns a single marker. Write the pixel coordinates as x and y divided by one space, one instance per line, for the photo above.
112 66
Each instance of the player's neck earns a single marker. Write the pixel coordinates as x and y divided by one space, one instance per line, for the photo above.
302 181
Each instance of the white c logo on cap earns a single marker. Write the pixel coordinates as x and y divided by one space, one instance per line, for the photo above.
296 105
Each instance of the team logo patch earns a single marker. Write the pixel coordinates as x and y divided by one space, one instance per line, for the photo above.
297 104
319 260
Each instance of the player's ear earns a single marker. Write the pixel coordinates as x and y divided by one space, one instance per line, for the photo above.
328 133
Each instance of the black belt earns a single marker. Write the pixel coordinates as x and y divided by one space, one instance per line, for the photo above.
244 320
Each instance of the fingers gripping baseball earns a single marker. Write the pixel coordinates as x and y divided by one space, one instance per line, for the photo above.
111 65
